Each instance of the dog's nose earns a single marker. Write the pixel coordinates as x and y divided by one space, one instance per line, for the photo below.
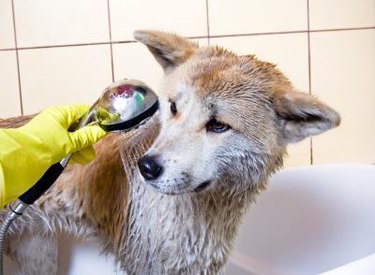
149 167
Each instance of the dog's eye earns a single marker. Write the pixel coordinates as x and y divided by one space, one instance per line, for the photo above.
173 108
216 126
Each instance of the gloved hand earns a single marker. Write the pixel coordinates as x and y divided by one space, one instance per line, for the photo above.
27 152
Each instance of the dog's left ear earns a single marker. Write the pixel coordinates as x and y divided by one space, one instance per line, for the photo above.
169 50
301 115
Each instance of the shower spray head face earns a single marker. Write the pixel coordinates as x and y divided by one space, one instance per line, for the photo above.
124 105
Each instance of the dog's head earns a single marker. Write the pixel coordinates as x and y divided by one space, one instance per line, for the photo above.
223 116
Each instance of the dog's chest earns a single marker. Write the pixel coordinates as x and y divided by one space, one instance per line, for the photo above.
174 235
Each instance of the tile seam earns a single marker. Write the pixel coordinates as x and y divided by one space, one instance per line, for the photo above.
110 41
208 22
309 72
17 60
190 37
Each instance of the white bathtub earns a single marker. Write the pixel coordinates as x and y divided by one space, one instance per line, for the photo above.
310 220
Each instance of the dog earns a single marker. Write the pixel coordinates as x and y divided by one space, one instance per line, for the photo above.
168 198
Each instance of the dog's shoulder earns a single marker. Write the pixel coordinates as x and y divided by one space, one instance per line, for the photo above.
15 122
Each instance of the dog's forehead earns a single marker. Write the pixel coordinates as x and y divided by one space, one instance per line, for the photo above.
223 76
213 83
215 74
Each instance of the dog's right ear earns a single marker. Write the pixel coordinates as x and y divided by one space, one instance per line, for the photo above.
169 50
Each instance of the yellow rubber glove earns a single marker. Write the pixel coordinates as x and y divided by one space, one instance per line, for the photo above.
27 152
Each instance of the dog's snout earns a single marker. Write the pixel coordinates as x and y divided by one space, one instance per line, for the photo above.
149 167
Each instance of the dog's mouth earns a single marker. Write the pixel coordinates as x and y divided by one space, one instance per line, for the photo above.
202 186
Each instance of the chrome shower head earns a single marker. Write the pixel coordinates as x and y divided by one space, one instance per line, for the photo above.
123 105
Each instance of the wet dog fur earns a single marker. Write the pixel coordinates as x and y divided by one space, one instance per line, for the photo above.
222 129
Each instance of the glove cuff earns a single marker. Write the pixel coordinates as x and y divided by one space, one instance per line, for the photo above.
2 187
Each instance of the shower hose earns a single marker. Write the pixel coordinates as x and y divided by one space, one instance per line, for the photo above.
15 210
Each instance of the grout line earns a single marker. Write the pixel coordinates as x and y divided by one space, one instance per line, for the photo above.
190 37
110 41
309 44
309 67
7 49
289 32
124 41
255 34
309 71
61 46
17 59
208 23
343 29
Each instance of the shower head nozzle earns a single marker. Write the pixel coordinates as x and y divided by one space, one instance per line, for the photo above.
124 105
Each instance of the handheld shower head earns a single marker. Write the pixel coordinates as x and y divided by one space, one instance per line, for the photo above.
122 106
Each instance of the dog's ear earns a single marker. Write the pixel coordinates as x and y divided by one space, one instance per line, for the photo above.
301 115
169 50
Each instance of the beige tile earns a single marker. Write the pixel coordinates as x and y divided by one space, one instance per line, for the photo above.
245 16
54 22
9 94
63 75
343 71
202 42
134 60
289 52
328 14
6 25
187 18
298 154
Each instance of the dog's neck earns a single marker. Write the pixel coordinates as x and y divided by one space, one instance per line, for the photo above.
181 234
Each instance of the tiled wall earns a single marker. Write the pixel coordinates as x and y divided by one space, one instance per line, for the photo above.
54 52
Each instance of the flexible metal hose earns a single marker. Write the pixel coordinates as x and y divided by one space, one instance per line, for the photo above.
15 210
3 231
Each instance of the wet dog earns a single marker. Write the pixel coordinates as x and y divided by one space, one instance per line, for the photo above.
168 198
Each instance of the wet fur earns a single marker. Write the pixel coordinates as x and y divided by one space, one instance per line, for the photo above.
190 233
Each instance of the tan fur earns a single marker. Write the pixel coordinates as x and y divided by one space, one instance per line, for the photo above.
148 230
